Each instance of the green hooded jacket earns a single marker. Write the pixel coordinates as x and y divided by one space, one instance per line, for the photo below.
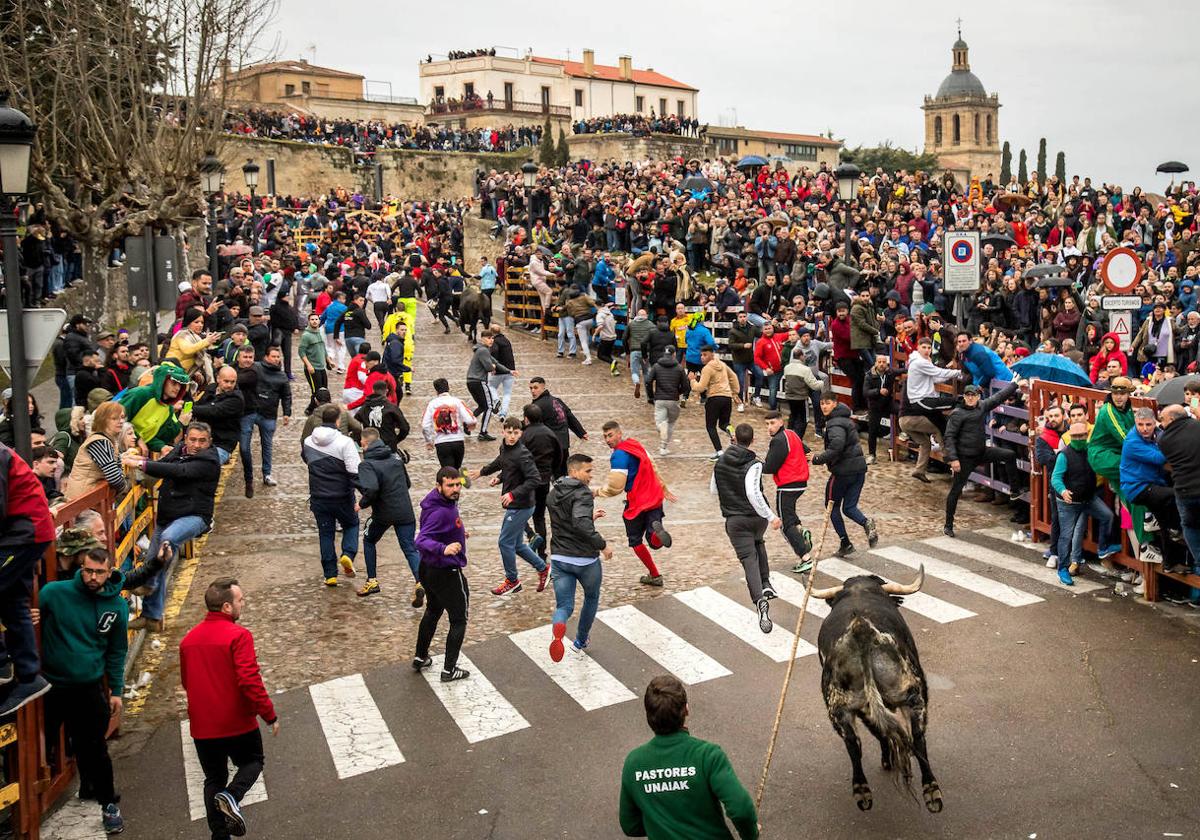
156 422
85 634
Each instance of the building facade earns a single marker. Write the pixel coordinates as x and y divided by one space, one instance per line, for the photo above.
318 91
962 124
810 150
562 89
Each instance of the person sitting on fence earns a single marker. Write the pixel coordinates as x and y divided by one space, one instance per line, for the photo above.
1114 422
1074 485
1144 482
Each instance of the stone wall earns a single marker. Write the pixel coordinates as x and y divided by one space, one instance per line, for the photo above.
478 241
626 147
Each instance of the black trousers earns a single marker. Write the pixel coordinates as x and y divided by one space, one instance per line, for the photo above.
785 503
317 380
717 411
1003 458
746 535
445 592
450 453
874 428
855 370
381 313
1160 500
483 404
285 344
443 307
538 521
83 710
798 416
246 753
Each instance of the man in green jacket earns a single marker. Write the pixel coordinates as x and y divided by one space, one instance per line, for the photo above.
674 785
312 356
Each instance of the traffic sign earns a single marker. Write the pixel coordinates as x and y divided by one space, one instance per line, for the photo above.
1121 270
1112 303
1121 323
41 328
961 271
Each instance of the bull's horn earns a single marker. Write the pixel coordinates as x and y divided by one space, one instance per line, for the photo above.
901 589
826 594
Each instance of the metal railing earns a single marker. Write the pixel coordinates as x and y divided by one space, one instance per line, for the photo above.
510 106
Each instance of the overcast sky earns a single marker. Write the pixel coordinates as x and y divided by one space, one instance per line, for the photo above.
1110 82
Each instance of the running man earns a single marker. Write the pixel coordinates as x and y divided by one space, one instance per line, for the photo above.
632 472
719 383
847 465
442 543
787 464
737 484
444 425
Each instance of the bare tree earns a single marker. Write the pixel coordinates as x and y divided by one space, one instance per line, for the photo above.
127 98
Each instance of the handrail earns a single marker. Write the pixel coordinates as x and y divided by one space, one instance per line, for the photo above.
511 106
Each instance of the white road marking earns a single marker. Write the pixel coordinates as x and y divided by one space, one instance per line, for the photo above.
479 710
676 654
1006 535
940 569
920 603
791 590
577 674
355 731
743 623
1010 564
77 819
194 775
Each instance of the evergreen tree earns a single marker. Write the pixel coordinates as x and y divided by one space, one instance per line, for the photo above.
891 158
1023 169
1041 161
1005 164
546 146
563 153
1060 167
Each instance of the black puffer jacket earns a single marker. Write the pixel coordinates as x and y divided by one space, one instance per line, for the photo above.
965 437
518 474
667 380
572 528
543 445
658 342
189 485
383 480
223 412
842 455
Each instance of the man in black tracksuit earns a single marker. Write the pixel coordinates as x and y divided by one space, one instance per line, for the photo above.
843 457
384 483
965 445
659 341
667 384
378 412
546 450
737 483
557 415
482 364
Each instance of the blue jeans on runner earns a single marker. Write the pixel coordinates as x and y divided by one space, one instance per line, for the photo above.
843 491
637 366
176 532
566 575
772 383
1072 524
266 434
352 345
330 513
405 534
512 542
501 385
566 334
744 374
1189 521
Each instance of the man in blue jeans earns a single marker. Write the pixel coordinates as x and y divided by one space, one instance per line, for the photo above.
518 480
270 390
333 462
186 497
1074 483
384 482
1180 443
575 550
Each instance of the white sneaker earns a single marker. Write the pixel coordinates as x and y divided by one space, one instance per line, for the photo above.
1150 554
1052 561
587 361
741 409
758 402
662 450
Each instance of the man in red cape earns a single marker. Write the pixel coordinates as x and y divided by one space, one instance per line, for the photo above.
632 472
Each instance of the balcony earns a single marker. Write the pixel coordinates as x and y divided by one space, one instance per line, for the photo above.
464 107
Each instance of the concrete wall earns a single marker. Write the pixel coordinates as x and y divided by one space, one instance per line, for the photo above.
626 147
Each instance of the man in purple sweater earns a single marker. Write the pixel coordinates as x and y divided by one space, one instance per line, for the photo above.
442 544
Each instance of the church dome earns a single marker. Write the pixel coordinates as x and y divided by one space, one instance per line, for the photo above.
961 83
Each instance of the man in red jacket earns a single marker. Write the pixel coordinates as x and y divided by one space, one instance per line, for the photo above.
219 670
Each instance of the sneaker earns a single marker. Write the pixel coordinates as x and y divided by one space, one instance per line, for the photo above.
509 586
484 437
764 616
1127 576
651 580
1101 570
465 475
1051 561
741 409
1073 568
110 815
587 361
845 549
872 533
662 450
580 645
948 530
455 674
418 598
6 673
660 531
556 644
331 581
1177 569
419 664
802 568
729 430
758 402
1108 551
921 477
870 459
769 593
228 806
613 368
269 481
24 692
1150 554
1065 577
1175 598
543 576
347 566
371 587
408 388
716 456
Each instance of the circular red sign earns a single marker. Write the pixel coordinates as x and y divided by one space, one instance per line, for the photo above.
962 251
1121 270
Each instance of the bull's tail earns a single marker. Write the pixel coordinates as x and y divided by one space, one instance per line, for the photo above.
890 726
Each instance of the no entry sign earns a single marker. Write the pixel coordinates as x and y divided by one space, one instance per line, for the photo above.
1121 270
962 261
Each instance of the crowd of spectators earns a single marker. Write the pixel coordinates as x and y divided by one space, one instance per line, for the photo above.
640 125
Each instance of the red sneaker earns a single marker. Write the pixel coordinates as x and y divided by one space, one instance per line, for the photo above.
556 645
508 587
543 576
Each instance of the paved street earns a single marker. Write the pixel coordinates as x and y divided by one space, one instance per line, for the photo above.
1041 696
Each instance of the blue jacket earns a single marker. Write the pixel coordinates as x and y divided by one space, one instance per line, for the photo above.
984 365
697 337
1141 465
331 314
603 275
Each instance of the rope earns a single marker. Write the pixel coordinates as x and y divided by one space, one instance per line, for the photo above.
787 677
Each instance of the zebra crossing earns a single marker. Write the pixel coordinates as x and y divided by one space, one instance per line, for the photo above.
354 720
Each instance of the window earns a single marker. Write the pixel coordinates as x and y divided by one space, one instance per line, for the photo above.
468 90
289 90
578 97
639 104
305 88
991 138
937 131
662 107
508 94
727 145
545 98
800 151
439 92
957 136
679 108
975 136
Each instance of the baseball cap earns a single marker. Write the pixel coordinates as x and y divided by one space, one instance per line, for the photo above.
257 310
238 328
972 390
76 320
1121 385
105 334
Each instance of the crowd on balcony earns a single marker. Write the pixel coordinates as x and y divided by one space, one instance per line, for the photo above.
640 125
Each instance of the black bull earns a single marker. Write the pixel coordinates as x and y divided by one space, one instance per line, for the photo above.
475 307
871 672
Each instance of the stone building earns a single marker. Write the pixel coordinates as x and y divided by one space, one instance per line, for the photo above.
312 89
962 122
810 150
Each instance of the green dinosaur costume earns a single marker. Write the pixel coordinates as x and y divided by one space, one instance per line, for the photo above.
155 420
1104 453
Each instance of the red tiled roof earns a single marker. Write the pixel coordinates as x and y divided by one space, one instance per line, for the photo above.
608 73
295 66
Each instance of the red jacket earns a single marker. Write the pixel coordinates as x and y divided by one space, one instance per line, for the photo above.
219 671
378 374
766 353
24 513
839 331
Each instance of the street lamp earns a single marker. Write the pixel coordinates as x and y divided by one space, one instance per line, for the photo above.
250 171
16 147
212 181
847 178
529 173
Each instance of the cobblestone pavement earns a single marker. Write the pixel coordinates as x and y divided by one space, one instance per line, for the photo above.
306 633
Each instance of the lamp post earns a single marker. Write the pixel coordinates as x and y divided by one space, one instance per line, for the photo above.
212 180
250 171
16 147
847 178
529 173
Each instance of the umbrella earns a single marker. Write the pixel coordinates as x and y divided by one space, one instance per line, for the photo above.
1053 368
1172 167
999 241
1171 391
751 160
1053 281
1007 200
696 184
1043 270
